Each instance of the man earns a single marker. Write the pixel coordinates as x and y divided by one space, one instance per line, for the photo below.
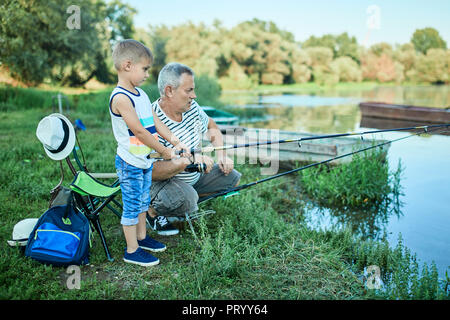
175 191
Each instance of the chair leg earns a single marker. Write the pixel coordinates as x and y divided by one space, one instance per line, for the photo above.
98 227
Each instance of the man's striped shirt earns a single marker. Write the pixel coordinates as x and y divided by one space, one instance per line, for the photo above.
193 125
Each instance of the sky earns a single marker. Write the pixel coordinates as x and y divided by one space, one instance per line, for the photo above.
392 21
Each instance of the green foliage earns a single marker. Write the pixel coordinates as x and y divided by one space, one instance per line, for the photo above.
347 69
434 67
427 38
37 44
402 278
341 45
15 98
365 181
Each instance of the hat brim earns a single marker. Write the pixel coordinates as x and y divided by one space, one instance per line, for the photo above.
70 143
17 243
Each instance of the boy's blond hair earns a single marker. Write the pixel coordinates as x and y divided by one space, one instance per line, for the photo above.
132 50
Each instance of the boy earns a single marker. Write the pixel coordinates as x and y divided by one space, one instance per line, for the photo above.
134 125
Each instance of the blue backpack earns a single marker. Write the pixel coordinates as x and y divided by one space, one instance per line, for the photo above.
60 237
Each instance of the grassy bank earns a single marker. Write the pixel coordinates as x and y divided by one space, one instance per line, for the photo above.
256 246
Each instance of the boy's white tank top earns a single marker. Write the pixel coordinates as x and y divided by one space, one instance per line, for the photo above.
129 147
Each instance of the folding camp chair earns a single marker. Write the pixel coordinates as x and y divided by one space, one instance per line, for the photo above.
82 167
92 196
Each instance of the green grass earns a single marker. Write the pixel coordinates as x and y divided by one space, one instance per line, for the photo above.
256 246
363 182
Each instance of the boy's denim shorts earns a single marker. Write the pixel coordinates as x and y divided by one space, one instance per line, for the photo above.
135 184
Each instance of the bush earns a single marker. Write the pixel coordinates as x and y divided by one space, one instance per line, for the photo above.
347 69
434 67
21 98
364 181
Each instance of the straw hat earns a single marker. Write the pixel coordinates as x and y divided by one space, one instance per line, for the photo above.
57 135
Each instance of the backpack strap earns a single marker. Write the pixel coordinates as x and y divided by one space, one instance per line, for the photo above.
69 206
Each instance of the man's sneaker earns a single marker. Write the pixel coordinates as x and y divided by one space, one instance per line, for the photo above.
176 219
140 257
151 244
162 226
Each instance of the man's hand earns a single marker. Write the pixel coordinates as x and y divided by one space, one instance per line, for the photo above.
225 164
206 160
185 150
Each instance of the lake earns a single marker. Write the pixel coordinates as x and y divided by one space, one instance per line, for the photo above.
424 218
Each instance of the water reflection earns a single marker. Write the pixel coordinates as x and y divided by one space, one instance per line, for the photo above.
428 96
331 111
325 119
369 222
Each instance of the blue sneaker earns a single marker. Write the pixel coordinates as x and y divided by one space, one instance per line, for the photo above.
151 244
140 257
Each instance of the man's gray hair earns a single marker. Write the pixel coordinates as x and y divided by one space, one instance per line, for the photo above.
170 75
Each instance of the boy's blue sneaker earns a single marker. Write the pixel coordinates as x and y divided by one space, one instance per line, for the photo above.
151 244
140 257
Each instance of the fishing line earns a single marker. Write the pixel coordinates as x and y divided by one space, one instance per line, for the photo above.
235 190
299 140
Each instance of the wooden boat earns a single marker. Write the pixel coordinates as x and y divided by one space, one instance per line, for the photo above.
221 117
403 112
287 154
378 123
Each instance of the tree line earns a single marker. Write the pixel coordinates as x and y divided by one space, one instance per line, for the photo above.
258 52
37 46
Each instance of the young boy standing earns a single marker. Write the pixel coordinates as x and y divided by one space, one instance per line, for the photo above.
135 127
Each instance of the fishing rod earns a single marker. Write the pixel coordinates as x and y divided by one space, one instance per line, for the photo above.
299 140
235 190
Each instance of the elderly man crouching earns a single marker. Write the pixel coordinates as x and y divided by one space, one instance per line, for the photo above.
175 191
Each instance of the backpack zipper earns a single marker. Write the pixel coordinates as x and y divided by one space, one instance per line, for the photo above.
62 231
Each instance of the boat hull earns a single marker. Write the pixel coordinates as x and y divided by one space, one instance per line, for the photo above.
402 112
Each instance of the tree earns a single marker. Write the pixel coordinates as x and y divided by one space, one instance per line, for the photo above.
347 69
406 55
381 68
38 42
427 38
434 67
341 45
195 46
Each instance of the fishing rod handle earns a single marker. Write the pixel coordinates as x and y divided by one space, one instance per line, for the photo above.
196 167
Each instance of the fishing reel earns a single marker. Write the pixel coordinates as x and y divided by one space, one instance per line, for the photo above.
196 167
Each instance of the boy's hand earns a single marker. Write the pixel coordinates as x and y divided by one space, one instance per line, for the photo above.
168 154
